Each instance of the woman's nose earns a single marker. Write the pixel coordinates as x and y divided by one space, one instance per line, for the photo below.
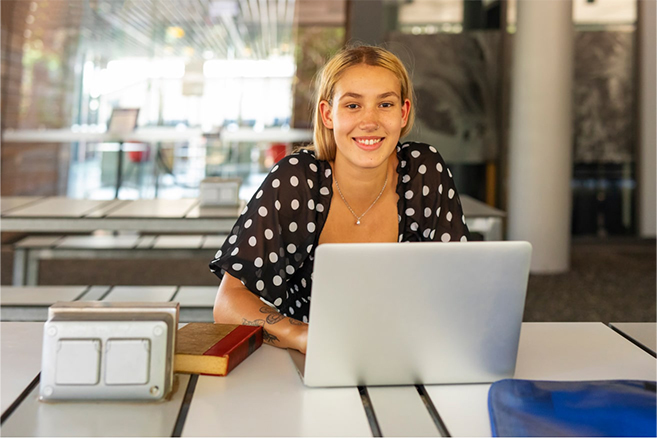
369 122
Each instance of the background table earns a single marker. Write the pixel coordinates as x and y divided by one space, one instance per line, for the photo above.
31 303
58 214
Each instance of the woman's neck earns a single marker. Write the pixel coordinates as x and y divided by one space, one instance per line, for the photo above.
361 185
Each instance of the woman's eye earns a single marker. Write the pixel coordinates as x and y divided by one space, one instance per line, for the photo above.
386 105
352 105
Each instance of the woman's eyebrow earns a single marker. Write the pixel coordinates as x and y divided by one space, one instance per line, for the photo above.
388 94
352 95
380 96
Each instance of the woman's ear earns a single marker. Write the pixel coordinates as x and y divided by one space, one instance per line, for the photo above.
325 110
406 110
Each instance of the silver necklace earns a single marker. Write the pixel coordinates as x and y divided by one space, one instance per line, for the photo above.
370 207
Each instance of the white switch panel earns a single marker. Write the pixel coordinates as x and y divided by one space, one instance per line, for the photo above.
108 352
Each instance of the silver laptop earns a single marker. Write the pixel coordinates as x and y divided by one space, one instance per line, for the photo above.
414 313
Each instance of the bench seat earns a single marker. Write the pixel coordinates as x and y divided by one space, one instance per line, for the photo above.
29 251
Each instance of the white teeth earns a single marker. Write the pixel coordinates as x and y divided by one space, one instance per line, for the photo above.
369 142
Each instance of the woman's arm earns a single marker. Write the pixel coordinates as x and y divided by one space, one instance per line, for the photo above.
235 304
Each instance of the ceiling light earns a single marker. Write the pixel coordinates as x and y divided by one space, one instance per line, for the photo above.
175 32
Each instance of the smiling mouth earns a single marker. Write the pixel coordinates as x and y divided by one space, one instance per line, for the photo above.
368 141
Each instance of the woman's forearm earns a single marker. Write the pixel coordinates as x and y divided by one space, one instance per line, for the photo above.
235 304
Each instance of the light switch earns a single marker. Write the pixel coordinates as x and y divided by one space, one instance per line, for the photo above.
77 362
127 361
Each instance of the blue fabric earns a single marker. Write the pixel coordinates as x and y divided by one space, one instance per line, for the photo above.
586 408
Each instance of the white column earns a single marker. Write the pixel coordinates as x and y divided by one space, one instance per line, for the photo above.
540 149
647 157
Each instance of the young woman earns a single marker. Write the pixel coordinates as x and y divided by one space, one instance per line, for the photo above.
359 185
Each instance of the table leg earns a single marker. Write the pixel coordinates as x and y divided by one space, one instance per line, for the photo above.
119 171
32 278
19 267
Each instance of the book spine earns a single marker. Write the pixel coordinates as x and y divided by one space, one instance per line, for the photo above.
237 345
244 349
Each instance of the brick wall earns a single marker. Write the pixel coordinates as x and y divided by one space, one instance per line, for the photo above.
39 45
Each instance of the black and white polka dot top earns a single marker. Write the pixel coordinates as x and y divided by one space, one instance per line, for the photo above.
272 245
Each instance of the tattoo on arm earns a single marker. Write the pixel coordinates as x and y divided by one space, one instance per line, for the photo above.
266 336
295 321
273 315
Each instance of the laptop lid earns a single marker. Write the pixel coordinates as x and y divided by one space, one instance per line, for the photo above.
415 313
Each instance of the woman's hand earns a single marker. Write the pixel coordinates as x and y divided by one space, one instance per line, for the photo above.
299 338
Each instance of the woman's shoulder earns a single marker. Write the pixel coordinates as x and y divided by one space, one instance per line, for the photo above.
303 162
415 154
297 177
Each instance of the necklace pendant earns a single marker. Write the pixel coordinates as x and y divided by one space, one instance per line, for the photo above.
358 222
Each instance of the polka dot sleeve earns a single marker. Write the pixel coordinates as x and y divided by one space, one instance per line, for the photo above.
432 210
277 230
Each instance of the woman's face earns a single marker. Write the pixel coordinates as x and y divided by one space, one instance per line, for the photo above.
367 115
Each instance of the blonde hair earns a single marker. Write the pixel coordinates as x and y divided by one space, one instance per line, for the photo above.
323 139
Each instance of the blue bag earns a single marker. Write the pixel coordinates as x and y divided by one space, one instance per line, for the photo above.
585 408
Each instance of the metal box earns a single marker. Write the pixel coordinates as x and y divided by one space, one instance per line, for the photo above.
219 192
108 351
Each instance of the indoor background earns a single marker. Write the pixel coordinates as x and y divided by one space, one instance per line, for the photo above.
233 70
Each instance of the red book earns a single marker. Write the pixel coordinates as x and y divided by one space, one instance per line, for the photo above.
214 349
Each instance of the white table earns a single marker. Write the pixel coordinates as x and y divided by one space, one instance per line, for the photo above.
547 351
57 214
20 345
10 202
643 334
264 396
31 303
